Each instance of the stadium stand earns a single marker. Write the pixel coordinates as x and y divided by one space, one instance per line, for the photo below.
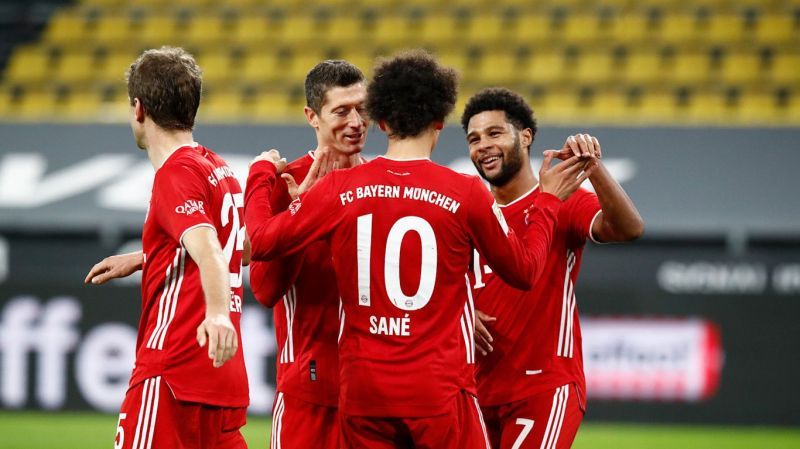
706 62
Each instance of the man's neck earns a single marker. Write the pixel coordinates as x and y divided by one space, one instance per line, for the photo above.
343 160
161 144
417 147
523 182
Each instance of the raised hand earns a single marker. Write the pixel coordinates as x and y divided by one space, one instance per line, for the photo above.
324 163
565 178
582 145
271 156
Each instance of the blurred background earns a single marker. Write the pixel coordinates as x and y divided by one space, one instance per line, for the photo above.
689 333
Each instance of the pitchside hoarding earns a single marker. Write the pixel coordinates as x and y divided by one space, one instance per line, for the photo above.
668 335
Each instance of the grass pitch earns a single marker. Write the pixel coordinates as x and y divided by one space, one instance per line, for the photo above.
67 430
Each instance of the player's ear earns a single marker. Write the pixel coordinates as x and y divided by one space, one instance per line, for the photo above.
311 117
138 110
525 138
438 126
382 125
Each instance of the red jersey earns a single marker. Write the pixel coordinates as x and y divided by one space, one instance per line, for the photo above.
302 291
193 188
537 336
401 234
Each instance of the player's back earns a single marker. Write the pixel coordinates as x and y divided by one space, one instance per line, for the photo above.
401 250
193 188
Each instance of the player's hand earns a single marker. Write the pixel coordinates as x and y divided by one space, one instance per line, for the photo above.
271 156
483 338
217 330
565 178
324 163
114 267
582 145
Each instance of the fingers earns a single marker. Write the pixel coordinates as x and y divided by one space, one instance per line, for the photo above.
583 145
213 341
572 145
221 353
548 159
483 346
98 268
291 185
598 150
201 335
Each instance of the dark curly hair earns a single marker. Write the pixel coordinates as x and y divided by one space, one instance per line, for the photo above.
327 75
517 110
411 91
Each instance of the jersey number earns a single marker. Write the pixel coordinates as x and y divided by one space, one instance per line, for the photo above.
231 204
391 263
527 426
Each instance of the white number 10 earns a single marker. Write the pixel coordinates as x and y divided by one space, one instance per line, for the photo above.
391 265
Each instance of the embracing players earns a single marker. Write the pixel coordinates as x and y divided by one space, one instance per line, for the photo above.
402 230
192 242
531 385
302 287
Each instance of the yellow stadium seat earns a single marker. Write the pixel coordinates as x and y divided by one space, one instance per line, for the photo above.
758 108
75 68
277 107
301 28
594 67
457 59
489 29
777 29
533 28
741 68
658 107
678 29
81 106
709 108
689 68
643 67
545 67
364 61
224 106
442 29
159 30
631 28
392 30
114 30
37 105
204 30
216 67
581 28
345 30
786 68
67 27
255 30
725 28
299 65
610 107
28 64
260 67
113 69
501 68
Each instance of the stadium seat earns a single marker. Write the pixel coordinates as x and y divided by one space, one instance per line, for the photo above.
217 67
502 68
594 67
69 26
29 64
255 31
209 29
75 67
777 29
277 107
392 30
741 68
786 68
533 28
490 28
545 67
160 30
37 105
688 68
442 29
260 67
113 68
113 29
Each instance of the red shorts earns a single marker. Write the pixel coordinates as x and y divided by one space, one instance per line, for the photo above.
461 428
297 424
151 417
548 420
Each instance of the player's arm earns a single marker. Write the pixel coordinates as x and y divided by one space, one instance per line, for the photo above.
290 231
114 267
520 261
270 280
618 220
216 330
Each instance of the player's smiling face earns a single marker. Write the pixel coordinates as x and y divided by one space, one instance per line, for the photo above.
342 121
495 147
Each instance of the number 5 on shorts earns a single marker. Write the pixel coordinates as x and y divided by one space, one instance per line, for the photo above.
119 440
527 426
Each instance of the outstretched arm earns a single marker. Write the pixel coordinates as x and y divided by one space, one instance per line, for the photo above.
115 267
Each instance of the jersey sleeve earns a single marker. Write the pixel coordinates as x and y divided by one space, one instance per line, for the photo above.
182 199
308 219
582 212
518 261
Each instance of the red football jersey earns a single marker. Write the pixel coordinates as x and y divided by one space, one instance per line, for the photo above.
401 234
537 336
194 187
302 291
